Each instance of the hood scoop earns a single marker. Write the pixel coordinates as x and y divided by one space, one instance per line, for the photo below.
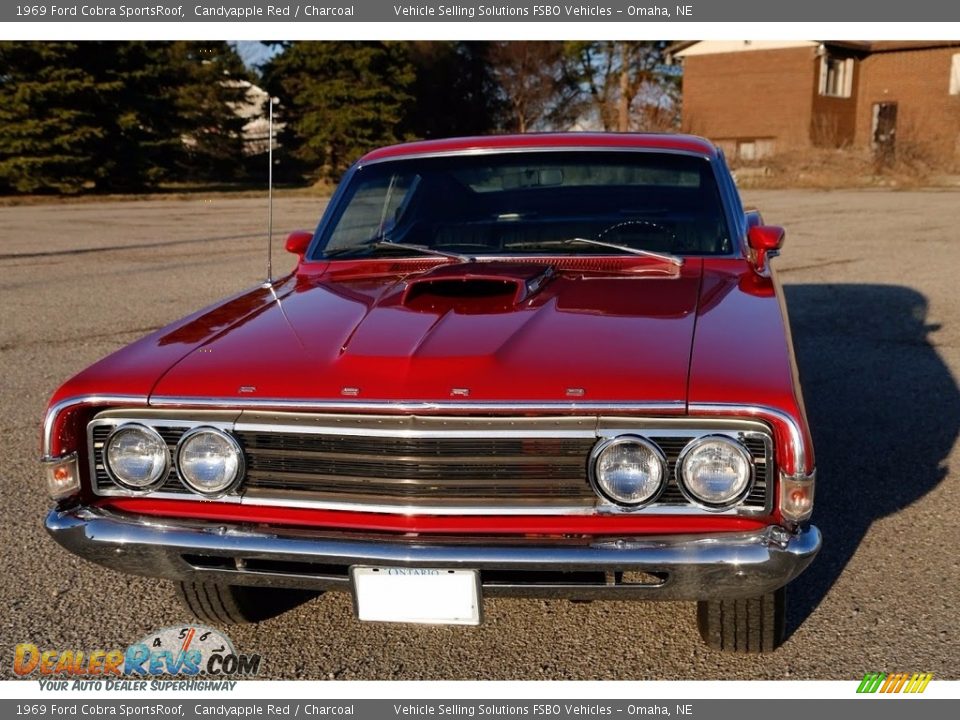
475 287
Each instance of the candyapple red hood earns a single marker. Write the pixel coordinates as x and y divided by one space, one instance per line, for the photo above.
458 332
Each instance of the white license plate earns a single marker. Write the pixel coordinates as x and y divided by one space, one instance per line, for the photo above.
434 596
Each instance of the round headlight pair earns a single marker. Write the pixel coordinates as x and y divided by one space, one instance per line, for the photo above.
208 460
713 471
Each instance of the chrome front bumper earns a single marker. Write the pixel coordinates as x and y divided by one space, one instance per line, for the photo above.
664 567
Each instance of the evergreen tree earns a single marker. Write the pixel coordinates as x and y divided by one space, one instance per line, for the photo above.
209 96
53 120
117 116
455 89
144 142
340 99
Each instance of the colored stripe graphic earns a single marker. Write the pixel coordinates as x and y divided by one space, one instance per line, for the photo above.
896 683
923 679
871 682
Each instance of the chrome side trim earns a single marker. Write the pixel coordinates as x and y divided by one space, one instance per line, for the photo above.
693 567
50 419
798 447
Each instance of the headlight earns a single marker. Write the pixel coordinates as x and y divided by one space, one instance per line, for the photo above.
715 472
136 457
628 470
209 461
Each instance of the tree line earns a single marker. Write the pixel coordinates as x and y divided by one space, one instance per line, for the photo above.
116 116
133 116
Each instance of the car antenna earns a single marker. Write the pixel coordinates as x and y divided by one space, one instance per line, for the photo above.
269 280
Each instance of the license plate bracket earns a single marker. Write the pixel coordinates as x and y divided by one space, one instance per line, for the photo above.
432 596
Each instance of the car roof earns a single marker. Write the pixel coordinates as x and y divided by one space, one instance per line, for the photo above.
546 141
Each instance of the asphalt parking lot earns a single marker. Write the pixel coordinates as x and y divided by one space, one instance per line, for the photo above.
872 285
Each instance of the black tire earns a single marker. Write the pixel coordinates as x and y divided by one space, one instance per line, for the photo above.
750 625
237 604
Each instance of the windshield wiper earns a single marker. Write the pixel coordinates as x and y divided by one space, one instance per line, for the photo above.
386 245
665 257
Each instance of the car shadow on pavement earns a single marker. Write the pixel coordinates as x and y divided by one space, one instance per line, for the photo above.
884 410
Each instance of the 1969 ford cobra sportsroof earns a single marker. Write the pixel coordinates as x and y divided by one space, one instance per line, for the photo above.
542 365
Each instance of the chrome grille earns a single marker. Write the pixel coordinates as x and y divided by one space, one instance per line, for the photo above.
454 465
486 463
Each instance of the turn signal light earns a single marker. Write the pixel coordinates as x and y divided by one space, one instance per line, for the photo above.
62 477
796 497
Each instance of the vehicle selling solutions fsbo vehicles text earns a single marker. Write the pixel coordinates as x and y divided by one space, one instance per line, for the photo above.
541 11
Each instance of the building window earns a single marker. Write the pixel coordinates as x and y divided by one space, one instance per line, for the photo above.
955 75
836 76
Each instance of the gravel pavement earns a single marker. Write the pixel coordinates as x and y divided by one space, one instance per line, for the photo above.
872 284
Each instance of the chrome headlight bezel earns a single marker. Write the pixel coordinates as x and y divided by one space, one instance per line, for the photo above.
692 497
154 482
611 442
234 446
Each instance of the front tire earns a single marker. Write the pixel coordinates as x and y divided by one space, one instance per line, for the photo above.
220 604
746 625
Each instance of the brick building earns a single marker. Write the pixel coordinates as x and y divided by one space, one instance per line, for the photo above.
755 98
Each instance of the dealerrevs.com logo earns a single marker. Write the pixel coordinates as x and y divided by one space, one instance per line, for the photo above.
911 683
191 650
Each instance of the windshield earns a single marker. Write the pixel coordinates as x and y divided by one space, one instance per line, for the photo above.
531 203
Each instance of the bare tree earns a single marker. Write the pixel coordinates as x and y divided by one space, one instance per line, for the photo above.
537 85
623 83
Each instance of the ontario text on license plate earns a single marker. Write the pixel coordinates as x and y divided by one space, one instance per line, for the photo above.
434 596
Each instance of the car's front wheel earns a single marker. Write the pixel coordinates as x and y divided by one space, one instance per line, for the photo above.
747 625
237 604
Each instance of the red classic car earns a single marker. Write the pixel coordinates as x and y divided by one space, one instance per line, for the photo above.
543 365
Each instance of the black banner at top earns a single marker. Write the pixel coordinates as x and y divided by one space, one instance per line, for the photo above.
380 11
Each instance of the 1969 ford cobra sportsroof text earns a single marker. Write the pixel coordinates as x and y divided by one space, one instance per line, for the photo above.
541 365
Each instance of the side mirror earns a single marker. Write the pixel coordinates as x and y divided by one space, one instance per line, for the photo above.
765 241
298 242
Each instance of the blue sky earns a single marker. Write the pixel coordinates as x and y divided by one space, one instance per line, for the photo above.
253 52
